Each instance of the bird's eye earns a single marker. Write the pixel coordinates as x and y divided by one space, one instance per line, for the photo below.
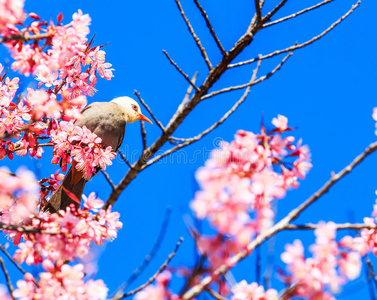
134 107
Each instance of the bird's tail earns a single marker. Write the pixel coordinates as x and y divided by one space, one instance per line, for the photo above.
69 191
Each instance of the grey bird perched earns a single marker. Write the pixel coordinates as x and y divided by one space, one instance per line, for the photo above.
108 121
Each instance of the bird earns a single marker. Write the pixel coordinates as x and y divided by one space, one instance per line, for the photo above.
108 121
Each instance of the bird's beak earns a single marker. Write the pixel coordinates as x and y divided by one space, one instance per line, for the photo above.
144 118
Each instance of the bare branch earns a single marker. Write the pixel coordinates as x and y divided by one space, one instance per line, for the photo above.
2 248
149 257
189 141
197 40
210 27
274 11
180 71
162 268
281 225
205 132
297 13
355 226
9 283
108 179
25 37
371 270
143 136
215 295
238 87
149 110
125 159
297 46
187 95
18 146
212 77
258 11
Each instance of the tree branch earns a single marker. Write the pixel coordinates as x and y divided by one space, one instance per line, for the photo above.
6 274
197 40
14 262
298 46
258 11
281 225
149 110
125 159
143 136
25 37
149 257
297 13
159 271
180 71
108 179
233 88
310 226
187 142
213 76
210 27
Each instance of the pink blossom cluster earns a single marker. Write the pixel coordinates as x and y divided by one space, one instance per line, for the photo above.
60 56
37 105
11 13
159 291
60 281
252 291
68 234
82 145
241 179
326 271
366 242
18 195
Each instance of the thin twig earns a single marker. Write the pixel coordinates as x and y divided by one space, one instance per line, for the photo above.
149 257
9 283
125 159
189 141
297 46
25 37
149 110
268 16
2 248
258 11
210 27
242 86
143 136
108 179
297 13
188 93
197 40
355 226
180 71
281 225
162 268
371 276
215 295
371 270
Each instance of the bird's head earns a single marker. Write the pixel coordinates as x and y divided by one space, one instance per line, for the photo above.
131 109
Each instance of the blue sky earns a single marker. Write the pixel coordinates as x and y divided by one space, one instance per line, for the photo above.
327 90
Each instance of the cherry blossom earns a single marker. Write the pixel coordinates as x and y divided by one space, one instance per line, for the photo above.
11 13
61 281
330 267
242 177
82 145
159 291
68 234
252 291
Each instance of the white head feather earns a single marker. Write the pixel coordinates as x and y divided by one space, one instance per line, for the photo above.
131 109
